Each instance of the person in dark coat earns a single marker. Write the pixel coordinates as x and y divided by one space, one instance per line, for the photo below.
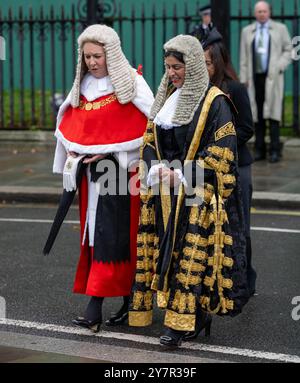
191 243
222 74
201 30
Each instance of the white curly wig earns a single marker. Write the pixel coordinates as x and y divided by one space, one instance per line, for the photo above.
119 69
195 83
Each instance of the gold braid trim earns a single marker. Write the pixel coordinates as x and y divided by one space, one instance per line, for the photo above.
191 303
223 153
202 220
143 189
218 216
226 239
155 259
226 304
145 251
203 216
96 104
149 133
145 194
154 284
187 280
181 322
226 130
141 300
194 215
146 238
228 262
229 179
147 215
183 302
146 264
162 299
198 254
140 318
196 240
148 300
219 166
205 193
137 300
144 278
191 266
148 138
217 260
223 282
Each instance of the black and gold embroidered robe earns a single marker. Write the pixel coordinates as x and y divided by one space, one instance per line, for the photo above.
192 254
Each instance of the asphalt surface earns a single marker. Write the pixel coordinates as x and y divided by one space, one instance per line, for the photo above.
38 289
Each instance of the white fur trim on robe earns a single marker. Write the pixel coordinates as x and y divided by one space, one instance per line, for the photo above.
92 89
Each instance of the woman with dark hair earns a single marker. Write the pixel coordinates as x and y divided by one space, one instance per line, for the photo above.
223 75
190 243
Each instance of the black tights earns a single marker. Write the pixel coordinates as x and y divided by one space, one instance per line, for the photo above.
94 308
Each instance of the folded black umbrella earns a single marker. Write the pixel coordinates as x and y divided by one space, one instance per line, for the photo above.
63 208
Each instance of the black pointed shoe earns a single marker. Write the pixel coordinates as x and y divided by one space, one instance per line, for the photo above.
203 324
172 338
93 325
117 318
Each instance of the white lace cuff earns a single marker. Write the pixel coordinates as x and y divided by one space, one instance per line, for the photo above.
69 173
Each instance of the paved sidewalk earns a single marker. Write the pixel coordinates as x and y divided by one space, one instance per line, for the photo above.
26 173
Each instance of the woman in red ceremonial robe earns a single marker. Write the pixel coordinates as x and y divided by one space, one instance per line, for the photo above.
101 124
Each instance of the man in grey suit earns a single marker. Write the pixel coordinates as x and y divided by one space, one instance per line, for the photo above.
266 52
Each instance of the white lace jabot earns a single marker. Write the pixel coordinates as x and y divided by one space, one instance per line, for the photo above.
165 115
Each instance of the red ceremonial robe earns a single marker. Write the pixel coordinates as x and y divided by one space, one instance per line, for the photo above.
97 124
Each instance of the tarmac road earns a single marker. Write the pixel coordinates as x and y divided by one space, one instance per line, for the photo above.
38 291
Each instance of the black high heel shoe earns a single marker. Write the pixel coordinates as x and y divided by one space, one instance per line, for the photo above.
94 311
121 316
93 325
172 338
116 319
204 323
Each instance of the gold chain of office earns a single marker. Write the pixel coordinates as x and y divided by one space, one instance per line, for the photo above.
97 104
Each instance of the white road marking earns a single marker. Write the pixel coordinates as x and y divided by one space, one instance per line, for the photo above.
275 230
274 212
154 341
70 222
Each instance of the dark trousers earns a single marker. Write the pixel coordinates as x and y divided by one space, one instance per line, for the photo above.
246 186
260 126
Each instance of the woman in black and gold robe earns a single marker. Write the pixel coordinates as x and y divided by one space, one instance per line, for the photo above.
191 240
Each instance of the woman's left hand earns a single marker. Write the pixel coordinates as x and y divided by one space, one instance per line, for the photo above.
96 157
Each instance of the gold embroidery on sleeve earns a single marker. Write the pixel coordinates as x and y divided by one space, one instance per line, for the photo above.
226 130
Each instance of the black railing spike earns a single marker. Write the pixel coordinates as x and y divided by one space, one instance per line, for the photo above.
73 13
41 13
251 9
21 13
51 13
62 12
